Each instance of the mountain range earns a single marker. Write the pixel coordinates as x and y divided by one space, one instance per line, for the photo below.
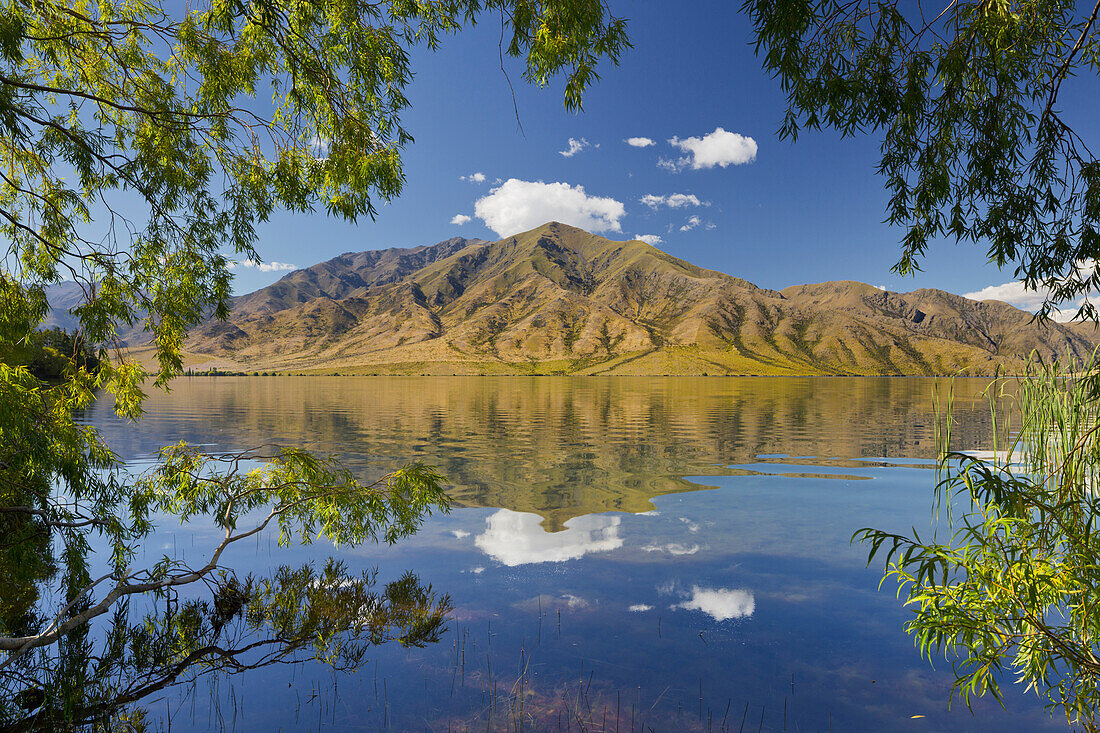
560 300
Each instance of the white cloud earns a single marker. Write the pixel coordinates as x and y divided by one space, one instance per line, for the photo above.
692 526
651 239
676 548
573 601
1067 314
640 142
478 177
319 146
679 200
719 148
575 146
460 533
516 206
673 201
272 266
692 222
461 219
640 608
518 538
719 603
1016 294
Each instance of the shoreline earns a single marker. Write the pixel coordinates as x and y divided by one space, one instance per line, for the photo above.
219 373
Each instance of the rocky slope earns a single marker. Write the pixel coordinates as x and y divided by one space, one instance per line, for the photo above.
560 300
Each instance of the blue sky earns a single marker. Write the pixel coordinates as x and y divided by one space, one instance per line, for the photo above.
795 213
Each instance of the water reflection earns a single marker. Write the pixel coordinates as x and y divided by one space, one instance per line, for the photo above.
629 554
518 538
557 447
672 548
721 604
101 674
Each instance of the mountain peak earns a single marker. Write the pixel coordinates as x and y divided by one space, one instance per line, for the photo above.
557 227
559 299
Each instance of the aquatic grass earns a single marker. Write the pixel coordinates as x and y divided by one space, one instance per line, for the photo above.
495 695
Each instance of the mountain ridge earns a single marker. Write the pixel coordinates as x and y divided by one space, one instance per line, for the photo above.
557 299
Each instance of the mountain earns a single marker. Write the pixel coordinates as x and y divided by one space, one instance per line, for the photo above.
62 297
560 300
67 295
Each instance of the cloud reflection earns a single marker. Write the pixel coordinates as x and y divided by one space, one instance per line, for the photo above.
720 604
518 538
672 548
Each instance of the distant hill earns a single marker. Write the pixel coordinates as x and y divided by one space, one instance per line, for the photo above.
66 295
560 300
63 296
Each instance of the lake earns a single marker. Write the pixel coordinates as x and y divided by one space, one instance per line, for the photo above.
625 553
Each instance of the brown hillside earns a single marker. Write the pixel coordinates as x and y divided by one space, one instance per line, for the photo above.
558 299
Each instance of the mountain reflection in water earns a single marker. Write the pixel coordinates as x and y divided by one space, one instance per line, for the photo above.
558 447
628 553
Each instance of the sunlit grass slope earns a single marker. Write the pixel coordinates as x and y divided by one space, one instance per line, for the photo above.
558 300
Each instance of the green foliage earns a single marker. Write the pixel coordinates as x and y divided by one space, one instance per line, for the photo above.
974 144
1015 588
975 147
209 119
142 148
49 353
310 496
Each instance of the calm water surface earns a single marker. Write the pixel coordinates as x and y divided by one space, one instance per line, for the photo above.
665 554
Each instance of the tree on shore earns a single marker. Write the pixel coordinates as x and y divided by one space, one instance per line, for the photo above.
141 148
975 146
966 100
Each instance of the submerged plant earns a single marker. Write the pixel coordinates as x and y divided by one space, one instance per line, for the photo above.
1014 589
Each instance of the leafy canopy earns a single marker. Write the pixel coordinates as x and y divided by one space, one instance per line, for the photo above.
141 144
966 98
976 146
140 147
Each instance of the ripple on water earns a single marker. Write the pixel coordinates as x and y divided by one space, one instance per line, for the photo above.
681 543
